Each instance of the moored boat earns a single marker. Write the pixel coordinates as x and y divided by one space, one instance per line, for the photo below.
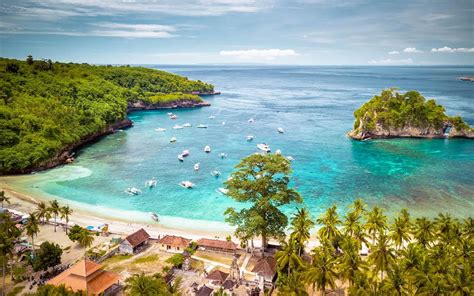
160 129
173 116
264 147
207 149
185 153
172 140
222 155
187 125
216 173
202 126
133 191
177 127
154 216
180 157
186 184
151 183
222 190
196 166
249 138
280 130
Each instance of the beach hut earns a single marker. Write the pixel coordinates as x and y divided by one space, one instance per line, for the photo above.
215 245
171 243
265 269
135 242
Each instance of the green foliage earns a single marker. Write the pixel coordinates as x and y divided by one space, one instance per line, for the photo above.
46 107
176 260
74 232
48 255
142 285
50 290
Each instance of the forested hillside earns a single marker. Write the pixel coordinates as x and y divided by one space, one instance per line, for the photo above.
46 106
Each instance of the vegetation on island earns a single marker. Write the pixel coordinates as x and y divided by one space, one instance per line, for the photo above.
46 106
393 114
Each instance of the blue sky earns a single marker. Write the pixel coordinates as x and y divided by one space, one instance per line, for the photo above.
313 32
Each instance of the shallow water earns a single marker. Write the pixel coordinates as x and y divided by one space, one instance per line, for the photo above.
314 105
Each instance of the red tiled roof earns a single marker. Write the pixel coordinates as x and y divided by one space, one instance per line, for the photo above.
174 241
218 244
265 266
137 237
217 275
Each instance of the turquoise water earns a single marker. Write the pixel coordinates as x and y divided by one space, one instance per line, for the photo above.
314 105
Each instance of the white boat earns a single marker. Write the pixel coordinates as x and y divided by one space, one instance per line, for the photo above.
177 127
222 190
180 157
150 183
207 149
185 153
202 126
278 152
222 155
172 140
264 147
187 125
169 113
196 166
290 158
212 117
154 216
173 116
160 129
223 123
250 120
186 184
133 191
216 173
280 130
249 138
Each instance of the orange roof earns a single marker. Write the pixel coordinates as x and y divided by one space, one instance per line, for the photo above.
137 237
219 244
174 241
86 275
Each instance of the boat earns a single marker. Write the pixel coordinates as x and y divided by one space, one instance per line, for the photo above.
177 127
133 191
160 129
207 149
187 125
280 130
173 116
196 166
250 120
172 140
249 138
222 155
202 126
216 173
212 117
290 158
170 113
154 216
223 123
180 157
222 190
150 183
278 152
264 147
186 184
185 153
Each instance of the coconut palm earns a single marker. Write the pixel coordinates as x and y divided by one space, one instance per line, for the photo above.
85 239
382 254
321 273
301 223
4 198
55 210
395 281
423 231
288 257
350 262
8 234
376 223
358 207
32 229
399 232
292 285
66 212
42 212
329 233
142 285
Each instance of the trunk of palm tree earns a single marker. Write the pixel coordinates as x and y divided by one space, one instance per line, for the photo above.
55 222
323 291
264 242
3 276
67 223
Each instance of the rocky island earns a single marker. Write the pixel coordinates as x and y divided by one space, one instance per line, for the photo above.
409 115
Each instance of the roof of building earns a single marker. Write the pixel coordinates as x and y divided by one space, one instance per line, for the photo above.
204 291
174 241
265 266
218 244
217 275
228 284
137 237
86 275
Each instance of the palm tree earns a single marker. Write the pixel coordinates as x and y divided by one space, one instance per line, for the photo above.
175 287
445 225
32 229
358 207
55 210
350 262
293 285
4 198
400 232
382 254
329 233
8 234
288 257
376 222
142 285
66 212
423 231
396 281
85 239
220 292
301 223
42 212
322 270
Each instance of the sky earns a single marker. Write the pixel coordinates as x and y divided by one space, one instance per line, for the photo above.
299 32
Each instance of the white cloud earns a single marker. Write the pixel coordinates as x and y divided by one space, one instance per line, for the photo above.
391 62
412 50
394 52
265 54
452 50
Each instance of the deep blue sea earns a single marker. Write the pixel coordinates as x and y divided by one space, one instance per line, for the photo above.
315 107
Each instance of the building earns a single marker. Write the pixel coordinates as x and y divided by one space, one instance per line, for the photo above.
216 245
217 277
265 269
88 276
171 243
135 242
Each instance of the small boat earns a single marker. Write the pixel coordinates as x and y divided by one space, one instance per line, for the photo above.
186 184
196 166
172 140
150 183
278 152
185 153
180 157
223 123
154 216
250 120
202 126
212 117
207 149
222 190
133 191
160 129
264 147
216 173
187 125
249 138
222 155
290 158
169 113
178 127
173 116
280 130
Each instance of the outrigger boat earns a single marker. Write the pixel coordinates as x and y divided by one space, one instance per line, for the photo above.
216 173
151 183
202 126
280 130
207 149
222 190
180 157
154 216
172 140
160 129
186 184
133 191
196 166
249 138
264 147
187 125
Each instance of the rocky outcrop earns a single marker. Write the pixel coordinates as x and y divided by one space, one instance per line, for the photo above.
140 105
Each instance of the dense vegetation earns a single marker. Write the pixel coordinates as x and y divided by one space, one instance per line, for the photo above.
392 109
46 106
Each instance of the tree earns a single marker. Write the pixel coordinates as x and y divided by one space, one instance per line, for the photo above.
12 67
301 223
292 285
32 229
322 272
329 233
42 212
85 239
74 232
142 285
29 60
382 254
395 281
399 232
263 181
220 292
66 212
288 257
351 263
48 255
62 290
8 234
4 198
55 210
376 222
424 231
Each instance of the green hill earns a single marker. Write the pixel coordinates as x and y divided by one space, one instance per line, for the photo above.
46 107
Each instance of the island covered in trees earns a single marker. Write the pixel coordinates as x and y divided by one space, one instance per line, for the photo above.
395 115
49 108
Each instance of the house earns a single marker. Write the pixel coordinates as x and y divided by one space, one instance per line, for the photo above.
171 243
265 269
134 242
204 291
88 276
216 245
217 277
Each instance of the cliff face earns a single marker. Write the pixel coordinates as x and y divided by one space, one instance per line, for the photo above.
140 105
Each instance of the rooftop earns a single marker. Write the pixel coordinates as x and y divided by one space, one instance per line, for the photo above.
137 237
265 266
218 244
174 241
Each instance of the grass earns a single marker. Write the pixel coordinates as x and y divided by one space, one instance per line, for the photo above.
116 259
15 291
146 259
221 258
